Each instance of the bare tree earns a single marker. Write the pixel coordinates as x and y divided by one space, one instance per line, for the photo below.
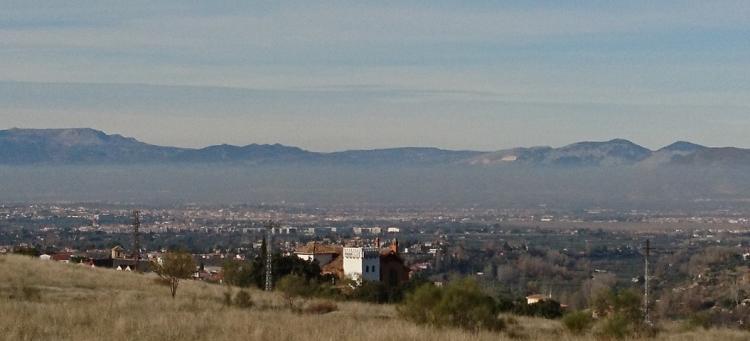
174 266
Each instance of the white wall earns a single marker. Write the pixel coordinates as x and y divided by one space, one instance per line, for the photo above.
362 263
322 258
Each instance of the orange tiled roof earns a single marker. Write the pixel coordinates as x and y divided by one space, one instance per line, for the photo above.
335 267
315 248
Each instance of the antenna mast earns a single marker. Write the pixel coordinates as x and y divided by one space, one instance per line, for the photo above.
269 255
136 238
646 316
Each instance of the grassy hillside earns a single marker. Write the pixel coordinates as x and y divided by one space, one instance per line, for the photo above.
51 301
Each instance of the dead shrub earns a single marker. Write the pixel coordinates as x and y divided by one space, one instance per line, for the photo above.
31 293
161 281
26 293
243 299
321 307
227 298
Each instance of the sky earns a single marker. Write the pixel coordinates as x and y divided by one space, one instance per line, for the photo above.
335 75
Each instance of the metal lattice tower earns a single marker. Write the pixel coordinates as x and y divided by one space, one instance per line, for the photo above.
646 316
269 255
136 238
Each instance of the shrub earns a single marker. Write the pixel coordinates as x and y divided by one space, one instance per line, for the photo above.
325 290
238 273
25 292
228 297
373 292
626 303
460 304
161 281
505 304
578 322
243 300
548 309
294 286
624 315
616 326
31 293
418 306
321 307
699 320
27 251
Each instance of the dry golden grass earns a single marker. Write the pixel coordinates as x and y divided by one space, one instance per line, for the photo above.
71 302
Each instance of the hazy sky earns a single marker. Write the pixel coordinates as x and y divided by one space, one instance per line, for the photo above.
328 75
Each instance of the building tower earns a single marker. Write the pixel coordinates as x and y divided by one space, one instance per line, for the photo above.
362 263
136 238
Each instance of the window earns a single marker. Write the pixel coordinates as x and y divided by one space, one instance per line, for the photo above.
367 268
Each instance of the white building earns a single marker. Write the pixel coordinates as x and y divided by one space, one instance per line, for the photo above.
362 263
312 252
284 230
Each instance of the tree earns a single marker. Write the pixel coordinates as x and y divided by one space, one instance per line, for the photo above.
174 266
27 251
283 266
238 273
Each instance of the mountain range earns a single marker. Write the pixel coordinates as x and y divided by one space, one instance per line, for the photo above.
92 147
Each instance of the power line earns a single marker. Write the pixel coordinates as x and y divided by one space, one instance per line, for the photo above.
646 316
136 238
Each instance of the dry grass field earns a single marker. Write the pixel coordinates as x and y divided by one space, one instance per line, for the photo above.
43 300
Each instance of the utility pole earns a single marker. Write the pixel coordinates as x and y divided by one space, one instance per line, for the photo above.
269 255
136 238
646 316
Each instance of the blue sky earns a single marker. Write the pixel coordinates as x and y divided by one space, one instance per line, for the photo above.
339 75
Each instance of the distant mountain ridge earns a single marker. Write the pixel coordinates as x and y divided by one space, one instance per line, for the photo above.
90 146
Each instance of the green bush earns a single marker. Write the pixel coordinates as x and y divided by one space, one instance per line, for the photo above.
296 286
699 320
373 292
623 312
460 304
419 306
616 326
238 273
578 322
549 309
626 303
